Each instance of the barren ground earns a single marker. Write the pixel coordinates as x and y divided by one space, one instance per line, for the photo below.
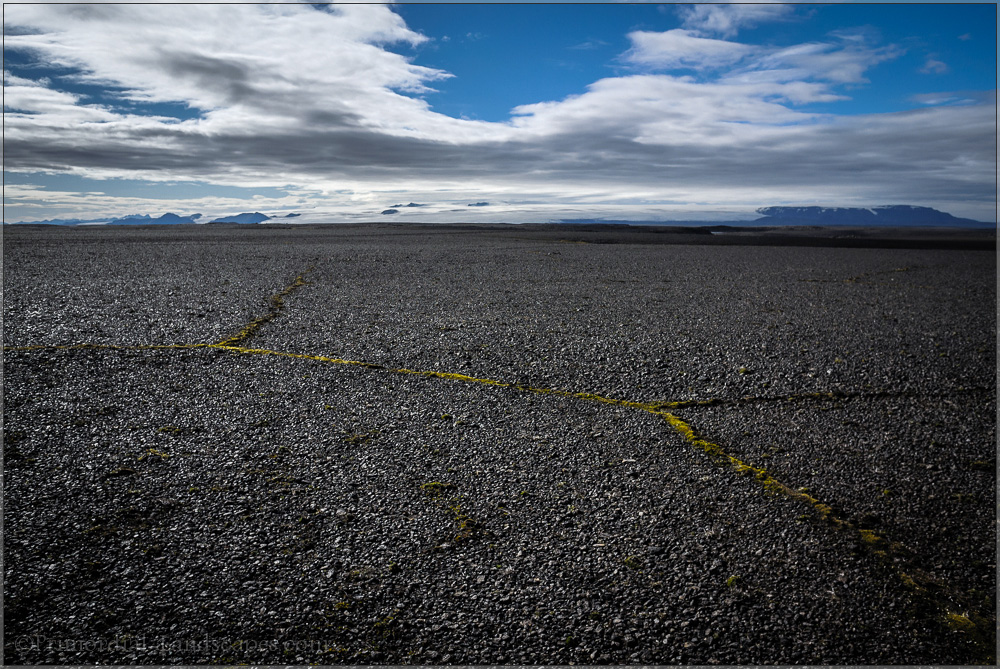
395 444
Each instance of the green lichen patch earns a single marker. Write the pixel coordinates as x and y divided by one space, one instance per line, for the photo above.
870 537
633 562
357 439
959 623
983 466
437 488
152 452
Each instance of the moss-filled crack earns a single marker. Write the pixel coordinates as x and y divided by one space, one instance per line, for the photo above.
893 555
275 304
951 613
946 602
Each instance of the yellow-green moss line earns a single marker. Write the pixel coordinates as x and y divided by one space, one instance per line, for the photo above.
275 304
761 475
713 450
868 539
892 553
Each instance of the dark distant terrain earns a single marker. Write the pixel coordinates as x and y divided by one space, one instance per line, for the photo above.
893 220
489 444
841 236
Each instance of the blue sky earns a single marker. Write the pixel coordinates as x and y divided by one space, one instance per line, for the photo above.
475 44
626 111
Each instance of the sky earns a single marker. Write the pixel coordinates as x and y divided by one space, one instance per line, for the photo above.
545 112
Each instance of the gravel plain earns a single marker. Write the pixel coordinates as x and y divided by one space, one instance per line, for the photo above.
209 503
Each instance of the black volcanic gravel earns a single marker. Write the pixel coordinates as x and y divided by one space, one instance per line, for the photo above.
202 505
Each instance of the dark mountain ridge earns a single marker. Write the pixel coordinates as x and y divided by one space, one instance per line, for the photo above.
898 215
146 219
255 217
892 215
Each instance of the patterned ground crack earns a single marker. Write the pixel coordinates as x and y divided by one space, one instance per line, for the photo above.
892 554
276 303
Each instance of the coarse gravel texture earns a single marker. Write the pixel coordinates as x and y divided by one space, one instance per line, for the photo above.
912 469
136 286
229 505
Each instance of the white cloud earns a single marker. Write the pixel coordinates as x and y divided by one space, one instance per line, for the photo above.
589 44
728 20
956 98
823 61
662 109
807 71
32 202
683 48
24 96
934 66
291 95
213 57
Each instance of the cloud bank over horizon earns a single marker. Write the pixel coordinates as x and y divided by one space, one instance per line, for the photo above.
326 109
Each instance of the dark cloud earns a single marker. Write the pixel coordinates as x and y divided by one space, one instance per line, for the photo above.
939 150
231 78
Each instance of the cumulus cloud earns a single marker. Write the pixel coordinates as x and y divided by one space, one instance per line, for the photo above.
728 20
224 60
819 61
292 95
799 74
683 48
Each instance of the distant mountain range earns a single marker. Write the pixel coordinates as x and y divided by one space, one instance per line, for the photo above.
892 215
165 219
896 215
146 219
62 221
255 217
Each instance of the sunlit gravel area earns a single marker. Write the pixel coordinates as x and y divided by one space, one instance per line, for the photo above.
134 286
239 503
